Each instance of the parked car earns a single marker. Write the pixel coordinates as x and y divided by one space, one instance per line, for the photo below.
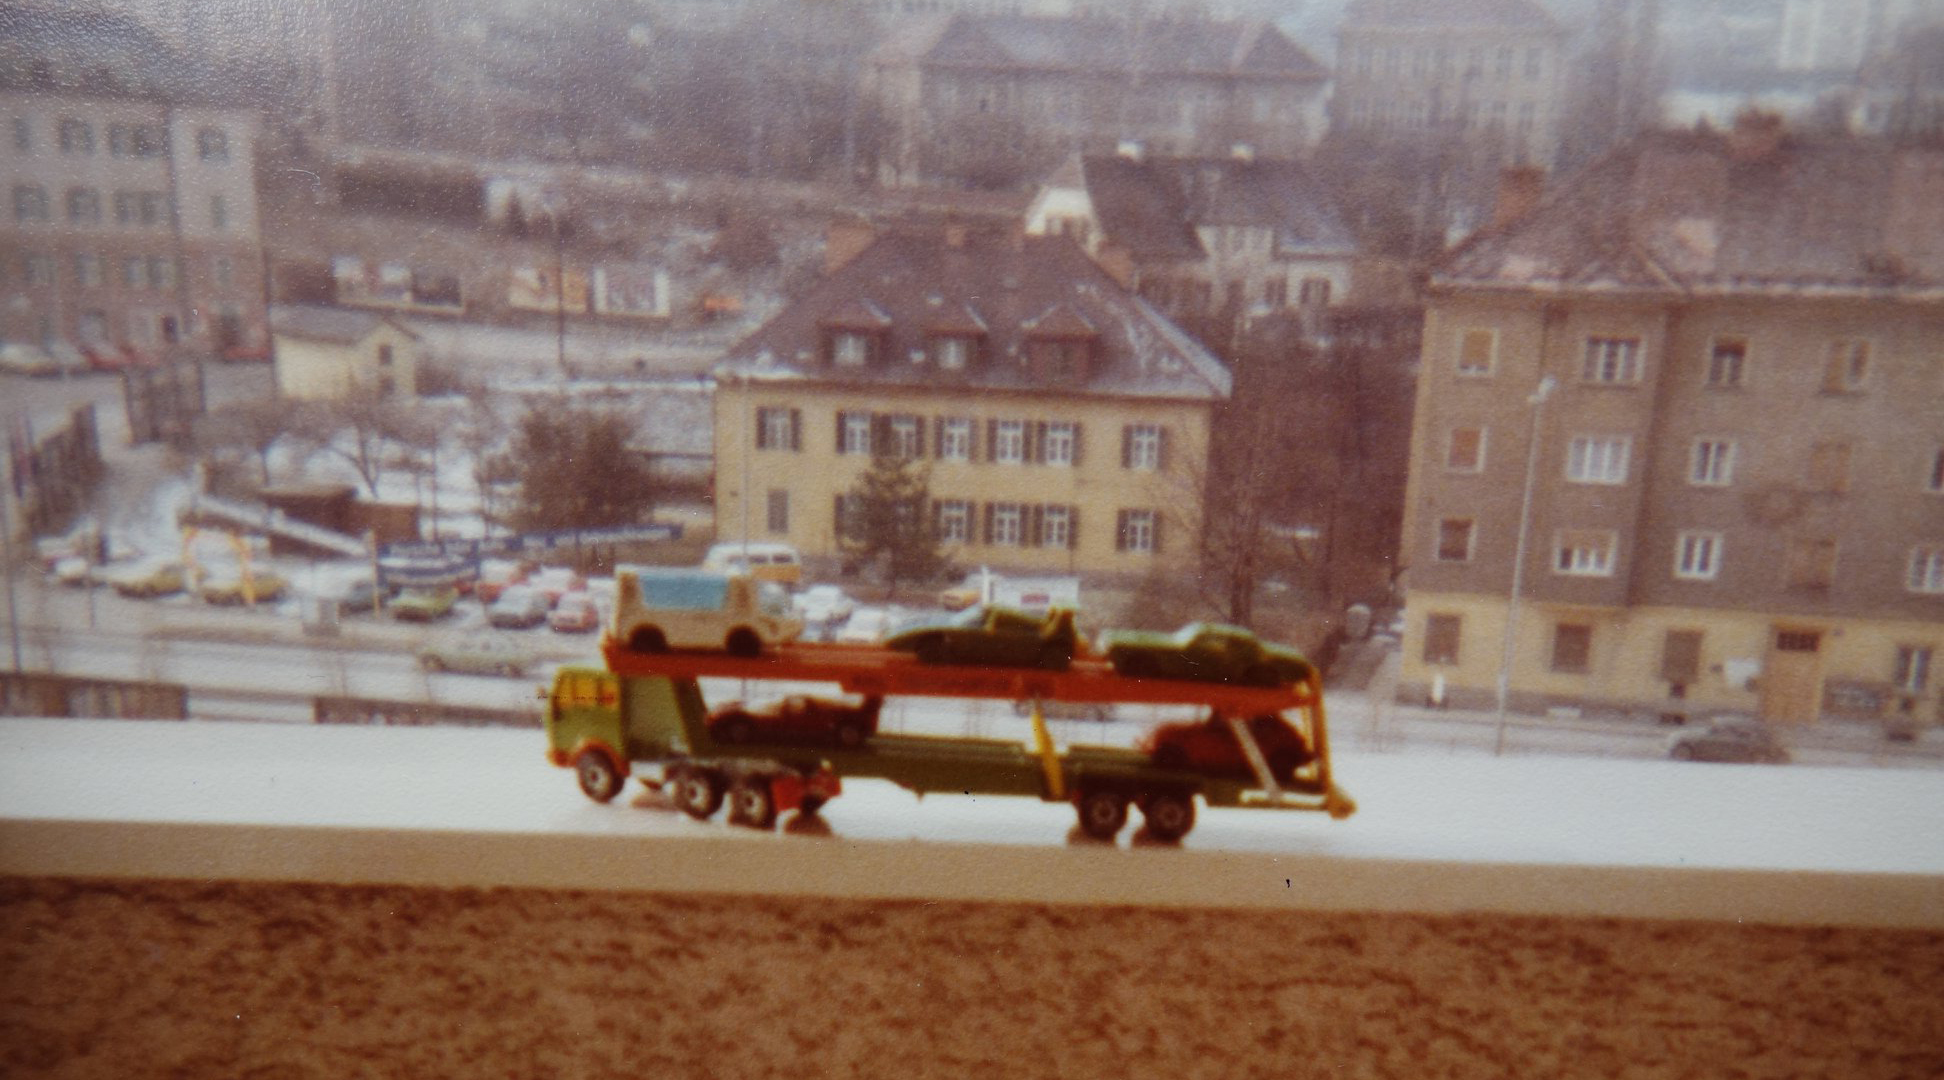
424 605
575 614
518 607
799 718
74 572
993 635
477 654
867 626
1068 710
1209 747
1203 652
763 560
350 596
496 575
554 582
1729 738
823 608
155 579
261 587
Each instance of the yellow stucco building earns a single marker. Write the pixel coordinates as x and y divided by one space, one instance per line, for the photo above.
1064 422
326 354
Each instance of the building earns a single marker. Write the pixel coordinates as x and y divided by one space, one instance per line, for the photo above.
1682 428
1002 100
1485 73
1203 238
1064 421
327 354
130 221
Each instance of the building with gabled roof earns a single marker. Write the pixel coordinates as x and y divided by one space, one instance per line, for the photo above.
964 97
1063 419
1203 237
1679 439
328 353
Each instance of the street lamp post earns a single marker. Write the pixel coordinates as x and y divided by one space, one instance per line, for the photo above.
1537 400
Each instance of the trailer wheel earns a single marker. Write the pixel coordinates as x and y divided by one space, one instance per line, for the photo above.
697 791
743 642
1102 812
648 639
1169 815
752 803
599 779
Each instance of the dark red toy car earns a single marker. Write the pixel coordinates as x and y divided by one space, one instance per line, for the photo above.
798 719
1209 747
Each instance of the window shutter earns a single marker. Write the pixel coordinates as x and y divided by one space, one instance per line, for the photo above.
796 429
1073 528
1076 444
1039 442
880 433
762 429
988 523
918 443
992 441
841 417
1036 525
1120 530
1161 458
1127 446
938 436
1155 532
937 517
971 439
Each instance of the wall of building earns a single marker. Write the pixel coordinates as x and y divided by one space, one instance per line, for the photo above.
1098 487
329 371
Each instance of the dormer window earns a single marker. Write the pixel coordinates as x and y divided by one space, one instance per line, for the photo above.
849 348
955 334
854 334
953 353
1060 344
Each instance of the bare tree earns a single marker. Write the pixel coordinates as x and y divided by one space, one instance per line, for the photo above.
366 431
253 427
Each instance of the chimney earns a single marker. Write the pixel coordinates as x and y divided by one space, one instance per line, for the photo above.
1519 189
1755 138
1242 151
845 240
1131 149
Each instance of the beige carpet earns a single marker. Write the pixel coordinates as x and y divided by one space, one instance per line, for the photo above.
164 979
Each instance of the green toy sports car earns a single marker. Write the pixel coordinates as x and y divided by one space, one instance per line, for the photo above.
1203 652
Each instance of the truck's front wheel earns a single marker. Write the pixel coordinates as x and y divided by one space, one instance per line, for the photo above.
599 779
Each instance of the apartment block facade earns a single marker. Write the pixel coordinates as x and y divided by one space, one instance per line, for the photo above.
1488 73
129 227
1063 422
1679 440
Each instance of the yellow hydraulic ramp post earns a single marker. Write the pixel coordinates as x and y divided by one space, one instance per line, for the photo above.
1336 801
1049 758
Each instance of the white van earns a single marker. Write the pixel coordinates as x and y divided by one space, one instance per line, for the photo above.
661 608
765 560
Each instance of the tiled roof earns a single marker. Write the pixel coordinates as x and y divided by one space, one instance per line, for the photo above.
1685 212
1448 14
1122 46
1153 206
1014 287
343 326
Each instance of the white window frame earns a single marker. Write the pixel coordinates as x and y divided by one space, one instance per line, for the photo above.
850 348
1009 442
1711 462
1612 361
1925 572
1911 673
777 430
905 437
1599 459
1697 555
1138 531
1008 525
1722 373
952 353
954 521
955 439
1061 436
857 434
1144 447
1491 352
1846 365
1438 540
1584 560
1056 526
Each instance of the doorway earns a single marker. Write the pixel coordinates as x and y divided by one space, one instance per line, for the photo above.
1792 676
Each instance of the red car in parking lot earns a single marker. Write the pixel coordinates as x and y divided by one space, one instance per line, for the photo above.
1210 747
798 719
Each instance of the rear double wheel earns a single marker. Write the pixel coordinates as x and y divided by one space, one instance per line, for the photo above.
1168 815
697 792
1102 812
752 802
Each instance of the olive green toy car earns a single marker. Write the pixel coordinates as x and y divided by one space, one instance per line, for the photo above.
993 636
1203 652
